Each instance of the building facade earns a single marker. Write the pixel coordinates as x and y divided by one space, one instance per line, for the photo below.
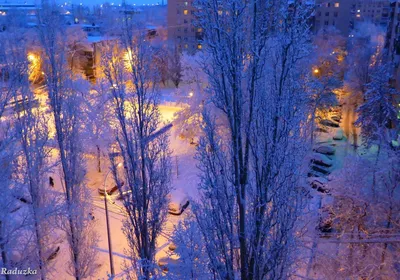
182 30
344 15
338 14
375 11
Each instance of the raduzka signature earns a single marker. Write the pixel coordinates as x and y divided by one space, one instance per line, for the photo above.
17 271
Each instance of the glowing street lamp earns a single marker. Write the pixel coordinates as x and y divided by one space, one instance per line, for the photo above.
316 71
32 58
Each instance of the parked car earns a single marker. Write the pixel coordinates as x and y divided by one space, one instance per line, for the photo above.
326 221
320 169
178 203
321 159
336 118
316 174
54 254
120 196
319 184
339 135
330 123
172 247
169 263
109 191
326 150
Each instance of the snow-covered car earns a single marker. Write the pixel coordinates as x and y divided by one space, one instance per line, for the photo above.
320 129
121 195
319 184
338 135
53 254
325 225
109 191
170 263
326 218
172 247
320 169
314 173
321 159
330 123
326 150
178 203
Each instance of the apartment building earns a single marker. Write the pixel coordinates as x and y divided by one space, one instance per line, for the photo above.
344 15
375 11
334 14
182 31
392 46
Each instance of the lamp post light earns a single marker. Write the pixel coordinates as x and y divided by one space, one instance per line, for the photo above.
108 225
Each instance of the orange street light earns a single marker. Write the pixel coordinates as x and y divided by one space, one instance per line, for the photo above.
31 57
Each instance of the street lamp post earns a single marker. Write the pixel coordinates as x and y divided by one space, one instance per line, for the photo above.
108 228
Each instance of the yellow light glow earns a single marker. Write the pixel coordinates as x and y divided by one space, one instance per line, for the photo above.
316 71
32 57
191 94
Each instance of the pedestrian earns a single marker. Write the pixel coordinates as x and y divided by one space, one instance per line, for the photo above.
51 182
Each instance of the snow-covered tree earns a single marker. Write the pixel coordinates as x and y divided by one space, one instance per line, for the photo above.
175 68
131 76
378 113
9 226
251 162
33 161
65 93
190 250
364 224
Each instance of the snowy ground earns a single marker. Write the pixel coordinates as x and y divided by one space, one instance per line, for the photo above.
184 179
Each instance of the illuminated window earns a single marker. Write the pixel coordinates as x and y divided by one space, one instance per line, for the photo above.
186 3
199 29
199 46
185 12
220 12
337 5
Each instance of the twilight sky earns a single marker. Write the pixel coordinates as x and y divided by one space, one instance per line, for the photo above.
91 2
137 2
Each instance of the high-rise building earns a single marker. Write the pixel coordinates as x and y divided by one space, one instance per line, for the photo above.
182 31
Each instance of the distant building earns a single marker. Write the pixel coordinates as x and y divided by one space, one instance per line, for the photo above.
392 45
344 15
375 11
334 14
182 31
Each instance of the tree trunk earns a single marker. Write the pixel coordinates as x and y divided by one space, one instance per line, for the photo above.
98 159
3 252
375 169
385 245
